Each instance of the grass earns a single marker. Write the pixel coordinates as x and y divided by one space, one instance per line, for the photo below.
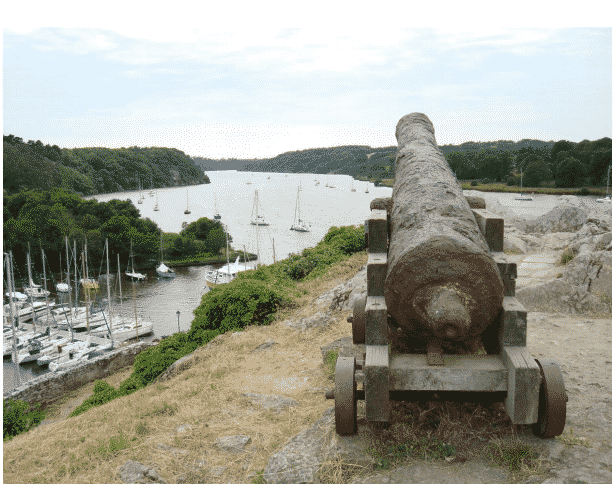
567 256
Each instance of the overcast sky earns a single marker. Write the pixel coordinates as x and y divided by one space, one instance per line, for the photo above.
255 93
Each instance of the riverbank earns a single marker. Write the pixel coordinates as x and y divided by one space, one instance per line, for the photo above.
503 188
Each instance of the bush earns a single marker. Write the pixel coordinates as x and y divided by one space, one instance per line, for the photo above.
474 183
583 191
347 239
103 393
512 181
240 303
151 363
19 417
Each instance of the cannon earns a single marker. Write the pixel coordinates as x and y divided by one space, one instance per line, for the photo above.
440 315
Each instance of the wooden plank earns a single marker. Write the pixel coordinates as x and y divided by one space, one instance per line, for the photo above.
376 327
377 406
376 273
459 373
492 227
508 271
377 224
513 324
523 385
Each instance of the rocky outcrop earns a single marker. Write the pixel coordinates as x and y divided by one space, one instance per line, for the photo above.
585 288
302 456
135 473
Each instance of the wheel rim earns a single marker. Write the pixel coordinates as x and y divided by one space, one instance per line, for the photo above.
345 396
551 402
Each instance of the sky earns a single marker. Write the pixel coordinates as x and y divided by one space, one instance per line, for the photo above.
254 92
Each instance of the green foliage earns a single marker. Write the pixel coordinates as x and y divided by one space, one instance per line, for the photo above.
19 417
567 256
583 191
151 363
536 173
347 239
103 393
512 181
240 303
474 183
571 174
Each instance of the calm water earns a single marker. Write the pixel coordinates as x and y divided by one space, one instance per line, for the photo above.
158 300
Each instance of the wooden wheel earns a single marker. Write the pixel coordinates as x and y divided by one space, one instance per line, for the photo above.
551 401
345 396
358 321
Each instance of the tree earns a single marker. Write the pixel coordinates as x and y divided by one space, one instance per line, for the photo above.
536 173
571 174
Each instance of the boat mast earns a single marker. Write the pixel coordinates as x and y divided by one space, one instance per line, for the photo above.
70 297
31 289
12 307
109 293
87 300
134 302
76 284
43 259
119 280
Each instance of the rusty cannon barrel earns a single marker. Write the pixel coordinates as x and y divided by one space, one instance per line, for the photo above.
442 282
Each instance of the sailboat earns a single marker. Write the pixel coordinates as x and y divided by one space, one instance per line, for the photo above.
217 215
366 187
156 207
140 194
298 224
352 189
607 198
187 211
522 196
135 276
151 187
300 189
62 286
255 218
162 270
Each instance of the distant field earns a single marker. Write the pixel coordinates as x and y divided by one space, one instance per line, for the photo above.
502 187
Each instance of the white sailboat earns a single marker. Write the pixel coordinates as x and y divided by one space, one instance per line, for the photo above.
217 215
255 218
156 206
352 188
140 194
187 211
225 274
62 286
298 224
366 187
135 276
607 198
162 270
523 197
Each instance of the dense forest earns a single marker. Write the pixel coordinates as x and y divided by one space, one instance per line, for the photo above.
562 163
91 171
39 219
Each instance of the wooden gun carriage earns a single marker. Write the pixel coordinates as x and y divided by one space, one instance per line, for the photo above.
440 315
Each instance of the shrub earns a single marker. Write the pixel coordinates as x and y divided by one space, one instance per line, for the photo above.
583 191
240 303
103 393
512 181
474 183
151 363
19 417
347 239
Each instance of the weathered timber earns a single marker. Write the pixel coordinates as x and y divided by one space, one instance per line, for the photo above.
442 282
